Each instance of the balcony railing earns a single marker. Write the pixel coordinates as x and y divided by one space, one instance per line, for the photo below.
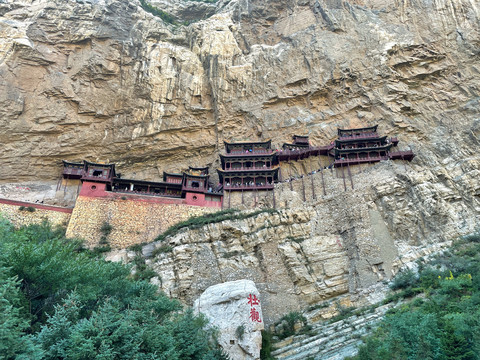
147 193
92 177
249 168
245 152
360 160
361 136
72 171
233 187
404 155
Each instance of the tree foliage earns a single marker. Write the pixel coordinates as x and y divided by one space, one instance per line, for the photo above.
59 301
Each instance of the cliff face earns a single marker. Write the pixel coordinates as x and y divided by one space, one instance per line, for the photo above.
104 80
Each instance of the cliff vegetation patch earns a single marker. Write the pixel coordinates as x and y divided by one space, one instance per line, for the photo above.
443 320
216 217
59 300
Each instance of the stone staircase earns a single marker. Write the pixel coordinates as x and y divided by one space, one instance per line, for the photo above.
330 341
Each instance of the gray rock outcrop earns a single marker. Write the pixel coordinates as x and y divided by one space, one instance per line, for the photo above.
234 308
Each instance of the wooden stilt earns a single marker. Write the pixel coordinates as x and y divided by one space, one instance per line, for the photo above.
59 183
323 182
313 187
404 163
255 197
229 198
350 175
78 188
290 179
242 196
343 176
303 190
273 193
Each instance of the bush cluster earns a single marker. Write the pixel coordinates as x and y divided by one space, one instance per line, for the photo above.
59 301
441 324
216 217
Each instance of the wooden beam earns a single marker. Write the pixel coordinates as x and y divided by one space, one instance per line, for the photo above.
350 175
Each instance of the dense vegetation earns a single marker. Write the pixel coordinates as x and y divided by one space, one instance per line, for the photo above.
212 218
60 301
443 319
157 12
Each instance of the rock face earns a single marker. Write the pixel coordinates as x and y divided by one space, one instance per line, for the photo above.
104 80
234 308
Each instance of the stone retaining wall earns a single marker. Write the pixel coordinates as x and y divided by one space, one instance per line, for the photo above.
133 221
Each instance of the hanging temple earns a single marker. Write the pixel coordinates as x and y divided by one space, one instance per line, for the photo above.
245 166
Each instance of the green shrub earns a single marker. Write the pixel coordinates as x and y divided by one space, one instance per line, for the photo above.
157 12
31 209
136 247
403 280
162 250
211 218
286 325
106 228
21 208
101 249
267 345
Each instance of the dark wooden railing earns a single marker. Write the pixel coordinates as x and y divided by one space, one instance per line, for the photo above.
251 168
148 193
73 171
361 136
234 187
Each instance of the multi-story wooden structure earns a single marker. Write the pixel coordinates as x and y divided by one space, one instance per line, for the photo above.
248 166
365 145
100 180
299 142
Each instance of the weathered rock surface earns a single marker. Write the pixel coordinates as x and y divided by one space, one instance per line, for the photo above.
104 80
234 309
329 245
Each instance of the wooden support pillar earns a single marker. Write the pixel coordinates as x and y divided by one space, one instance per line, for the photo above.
303 190
403 161
242 196
273 193
350 175
229 198
323 182
313 187
255 194
343 176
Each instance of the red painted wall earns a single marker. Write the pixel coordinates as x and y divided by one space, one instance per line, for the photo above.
91 189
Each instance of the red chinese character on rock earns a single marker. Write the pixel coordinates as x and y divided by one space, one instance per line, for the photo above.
255 315
253 300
